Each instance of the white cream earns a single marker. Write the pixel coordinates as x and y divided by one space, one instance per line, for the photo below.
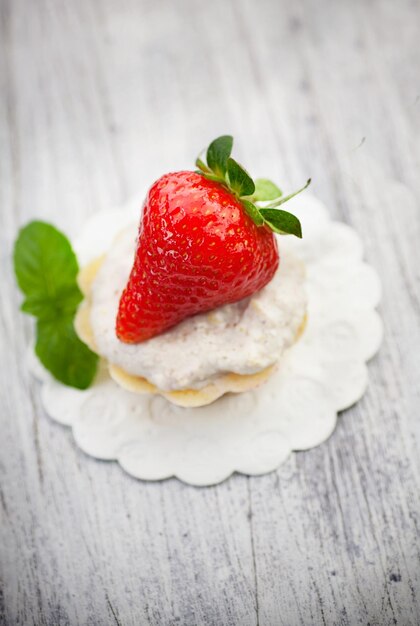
244 337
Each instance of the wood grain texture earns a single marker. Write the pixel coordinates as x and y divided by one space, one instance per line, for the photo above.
98 98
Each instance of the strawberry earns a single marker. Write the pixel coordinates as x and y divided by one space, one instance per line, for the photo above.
203 242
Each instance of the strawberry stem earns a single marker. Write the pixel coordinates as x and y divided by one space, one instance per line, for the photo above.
281 201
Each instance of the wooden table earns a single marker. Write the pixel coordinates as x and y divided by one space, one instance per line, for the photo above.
100 97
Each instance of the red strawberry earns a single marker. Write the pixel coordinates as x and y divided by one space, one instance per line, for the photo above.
199 247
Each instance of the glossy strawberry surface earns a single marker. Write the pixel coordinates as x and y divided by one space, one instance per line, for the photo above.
197 249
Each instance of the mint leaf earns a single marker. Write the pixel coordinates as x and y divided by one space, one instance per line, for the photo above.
62 353
253 212
218 153
265 190
282 222
239 180
44 261
46 270
65 303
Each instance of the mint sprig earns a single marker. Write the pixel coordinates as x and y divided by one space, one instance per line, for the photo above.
222 168
46 270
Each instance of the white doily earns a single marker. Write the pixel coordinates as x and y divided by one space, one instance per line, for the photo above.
253 432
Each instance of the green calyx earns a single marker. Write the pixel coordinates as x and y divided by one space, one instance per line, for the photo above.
221 168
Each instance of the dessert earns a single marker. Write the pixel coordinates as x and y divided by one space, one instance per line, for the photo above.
231 348
199 305
205 308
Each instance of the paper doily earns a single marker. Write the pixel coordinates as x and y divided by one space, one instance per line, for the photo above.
253 432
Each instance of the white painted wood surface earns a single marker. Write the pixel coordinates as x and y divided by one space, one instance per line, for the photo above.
99 97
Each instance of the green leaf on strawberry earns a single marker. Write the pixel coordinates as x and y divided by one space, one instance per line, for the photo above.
253 212
265 190
281 222
46 270
240 181
202 166
226 171
218 153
